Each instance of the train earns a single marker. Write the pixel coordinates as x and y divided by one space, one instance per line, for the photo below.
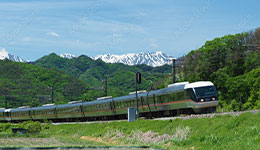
178 98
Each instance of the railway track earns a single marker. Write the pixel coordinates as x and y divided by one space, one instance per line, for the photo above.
185 117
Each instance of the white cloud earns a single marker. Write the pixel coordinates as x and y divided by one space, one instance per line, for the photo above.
117 35
3 54
27 39
106 25
153 43
141 14
53 34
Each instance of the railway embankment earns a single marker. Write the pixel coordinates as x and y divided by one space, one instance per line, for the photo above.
218 131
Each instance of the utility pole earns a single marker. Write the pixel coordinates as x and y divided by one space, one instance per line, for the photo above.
52 92
5 102
105 86
173 71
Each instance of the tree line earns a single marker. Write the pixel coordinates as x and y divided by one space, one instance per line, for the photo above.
232 63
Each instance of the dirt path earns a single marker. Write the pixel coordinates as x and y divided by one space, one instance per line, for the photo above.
99 139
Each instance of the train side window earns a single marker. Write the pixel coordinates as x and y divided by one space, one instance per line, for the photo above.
169 97
177 96
182 95
164 98
150 99
159 98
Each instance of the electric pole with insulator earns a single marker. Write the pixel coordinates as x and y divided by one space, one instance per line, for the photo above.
173 70
105 86
5 102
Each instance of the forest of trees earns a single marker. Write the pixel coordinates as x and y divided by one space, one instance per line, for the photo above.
24 84
232 63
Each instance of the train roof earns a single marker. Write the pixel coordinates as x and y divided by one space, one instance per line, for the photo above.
47 105
74 102
69 105
105 97
178 84
198 84
20 109
8 110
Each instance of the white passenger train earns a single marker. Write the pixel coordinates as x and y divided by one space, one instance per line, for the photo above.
184 97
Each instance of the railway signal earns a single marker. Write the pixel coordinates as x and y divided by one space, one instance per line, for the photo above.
138 77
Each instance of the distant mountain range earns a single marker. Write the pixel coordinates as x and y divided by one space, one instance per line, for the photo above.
153 59
149 58
5 55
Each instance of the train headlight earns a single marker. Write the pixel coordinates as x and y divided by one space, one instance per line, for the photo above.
213 98
202 100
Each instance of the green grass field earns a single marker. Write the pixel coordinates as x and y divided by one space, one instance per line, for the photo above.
220 132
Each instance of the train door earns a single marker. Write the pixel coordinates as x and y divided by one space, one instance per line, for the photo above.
8 115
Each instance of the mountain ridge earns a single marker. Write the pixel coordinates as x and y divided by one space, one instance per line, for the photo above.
5 55
153 59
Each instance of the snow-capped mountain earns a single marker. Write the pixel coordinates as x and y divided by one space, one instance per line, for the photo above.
67 55
149 58
5 55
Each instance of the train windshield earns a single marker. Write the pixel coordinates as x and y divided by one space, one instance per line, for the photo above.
206 91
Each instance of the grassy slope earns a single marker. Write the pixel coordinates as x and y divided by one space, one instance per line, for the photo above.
220 132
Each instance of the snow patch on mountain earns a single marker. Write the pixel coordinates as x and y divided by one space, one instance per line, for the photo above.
67 55
5 55
149 58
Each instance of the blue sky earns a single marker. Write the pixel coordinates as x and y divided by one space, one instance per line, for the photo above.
31 29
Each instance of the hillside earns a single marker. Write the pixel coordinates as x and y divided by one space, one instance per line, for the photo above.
232 63
24 84
121 78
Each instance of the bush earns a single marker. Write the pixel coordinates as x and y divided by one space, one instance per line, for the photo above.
4 126
32 126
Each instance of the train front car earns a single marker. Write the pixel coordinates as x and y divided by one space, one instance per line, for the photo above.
204 96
